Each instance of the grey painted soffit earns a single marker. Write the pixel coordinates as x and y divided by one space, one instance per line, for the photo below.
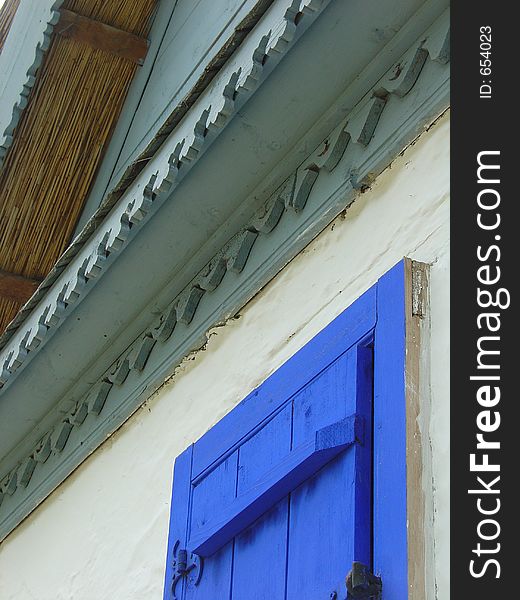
111 228
326 180
131 173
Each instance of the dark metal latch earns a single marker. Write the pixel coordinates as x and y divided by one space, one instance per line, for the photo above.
362 584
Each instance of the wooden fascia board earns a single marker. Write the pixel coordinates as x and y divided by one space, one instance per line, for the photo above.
101 36
417 319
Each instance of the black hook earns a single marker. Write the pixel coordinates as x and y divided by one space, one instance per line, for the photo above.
182 568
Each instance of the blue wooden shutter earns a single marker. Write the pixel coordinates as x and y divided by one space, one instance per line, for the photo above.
275 501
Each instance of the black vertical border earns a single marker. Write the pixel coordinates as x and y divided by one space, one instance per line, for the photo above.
480 125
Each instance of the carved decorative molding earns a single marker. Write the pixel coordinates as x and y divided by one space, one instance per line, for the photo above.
41 48
354 144
262 49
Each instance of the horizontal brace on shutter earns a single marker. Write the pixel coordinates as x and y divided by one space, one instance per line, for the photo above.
298 466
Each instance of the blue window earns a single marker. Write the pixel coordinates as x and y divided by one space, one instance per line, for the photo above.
307 474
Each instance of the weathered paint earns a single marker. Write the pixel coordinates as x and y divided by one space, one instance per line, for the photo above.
103 532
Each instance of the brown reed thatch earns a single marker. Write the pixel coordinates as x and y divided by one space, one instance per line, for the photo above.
7 12
59 142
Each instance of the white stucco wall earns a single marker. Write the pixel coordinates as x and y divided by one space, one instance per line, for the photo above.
103 533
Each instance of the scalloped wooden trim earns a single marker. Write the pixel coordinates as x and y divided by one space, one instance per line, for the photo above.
41 48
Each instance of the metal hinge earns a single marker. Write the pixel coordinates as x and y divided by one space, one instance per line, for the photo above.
362 584
185 563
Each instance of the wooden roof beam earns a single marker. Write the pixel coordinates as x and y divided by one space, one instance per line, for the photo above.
16 287
101 36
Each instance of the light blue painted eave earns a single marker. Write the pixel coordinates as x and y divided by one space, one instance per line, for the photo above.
157 88
185 36
167 252
162 17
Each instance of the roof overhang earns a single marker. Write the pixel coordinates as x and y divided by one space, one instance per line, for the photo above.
242 184
64 78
